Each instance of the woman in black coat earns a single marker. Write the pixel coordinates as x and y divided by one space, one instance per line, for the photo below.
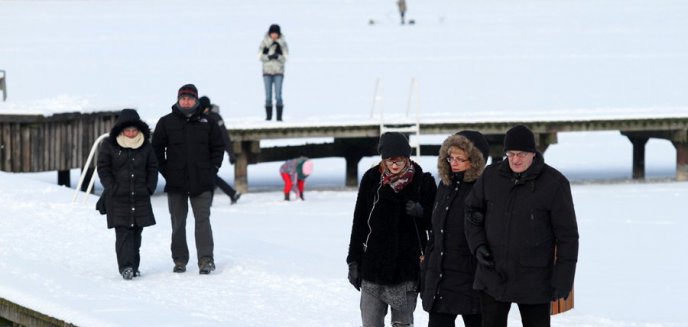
391 217
128 171
450 268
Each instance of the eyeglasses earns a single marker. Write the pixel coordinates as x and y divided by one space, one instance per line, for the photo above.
520 155
459 160
398 162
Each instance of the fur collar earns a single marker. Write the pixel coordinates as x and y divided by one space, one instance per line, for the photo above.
474 154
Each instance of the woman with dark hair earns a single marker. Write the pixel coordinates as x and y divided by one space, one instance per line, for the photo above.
450 268
128 171
388 235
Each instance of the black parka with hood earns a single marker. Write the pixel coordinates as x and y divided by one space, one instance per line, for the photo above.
449 269
128 175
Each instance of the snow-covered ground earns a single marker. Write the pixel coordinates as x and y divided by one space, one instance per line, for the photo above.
283 263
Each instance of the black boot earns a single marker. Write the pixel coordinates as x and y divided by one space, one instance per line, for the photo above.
286 196
279 112
268 112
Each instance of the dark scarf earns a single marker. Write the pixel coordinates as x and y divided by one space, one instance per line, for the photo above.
398 181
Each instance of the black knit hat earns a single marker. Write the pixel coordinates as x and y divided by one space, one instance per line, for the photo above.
519 138
204 102
393 144
274 28
478 140
188 90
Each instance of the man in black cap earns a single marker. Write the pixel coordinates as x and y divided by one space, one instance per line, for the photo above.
521 226
189 147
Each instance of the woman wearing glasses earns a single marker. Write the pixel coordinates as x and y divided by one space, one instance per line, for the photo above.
388 235
450 267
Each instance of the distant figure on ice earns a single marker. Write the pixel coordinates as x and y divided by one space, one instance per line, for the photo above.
402 10
295 171
388 234
213 111
128 171
189 147
521 226
273 52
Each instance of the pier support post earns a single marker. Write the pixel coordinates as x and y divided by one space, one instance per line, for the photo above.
63 178
681 160
352 161
638 155
244 153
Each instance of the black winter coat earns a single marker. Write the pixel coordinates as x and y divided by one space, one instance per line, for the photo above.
522 220
129 177
189 151
449 267
394 243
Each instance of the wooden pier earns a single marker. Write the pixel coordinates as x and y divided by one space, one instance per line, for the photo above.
60 142
355 141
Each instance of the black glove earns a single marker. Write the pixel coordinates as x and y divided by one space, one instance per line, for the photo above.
414 208
232 159
266 50
354 278
278 49
560 294
484 256
273 56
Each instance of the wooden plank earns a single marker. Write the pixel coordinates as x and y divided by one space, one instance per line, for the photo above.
26 148
16 147
2 145
36 142
7 137
46 147
53 146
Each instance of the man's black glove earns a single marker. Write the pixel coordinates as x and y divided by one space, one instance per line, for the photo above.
266 50
273 56
278 49
484 256
560 294
414 208
354 277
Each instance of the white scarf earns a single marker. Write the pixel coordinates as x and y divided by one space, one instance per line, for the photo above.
130 142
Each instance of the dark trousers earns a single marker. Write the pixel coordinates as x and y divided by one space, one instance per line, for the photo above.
179 207
127 245
448 320
225 187
495 313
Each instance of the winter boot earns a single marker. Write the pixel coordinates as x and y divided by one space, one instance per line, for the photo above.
179 267
301 196
235 198
128 273
279 112
268 112
286 196
207 265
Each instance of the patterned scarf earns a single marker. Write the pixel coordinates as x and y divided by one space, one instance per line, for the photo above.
131 143
398 181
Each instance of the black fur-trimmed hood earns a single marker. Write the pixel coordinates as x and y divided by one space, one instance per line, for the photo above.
127 118
474 154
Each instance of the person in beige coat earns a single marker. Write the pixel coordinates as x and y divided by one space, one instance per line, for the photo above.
273 52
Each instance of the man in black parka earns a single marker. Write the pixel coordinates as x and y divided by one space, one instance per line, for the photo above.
519 211
189 147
